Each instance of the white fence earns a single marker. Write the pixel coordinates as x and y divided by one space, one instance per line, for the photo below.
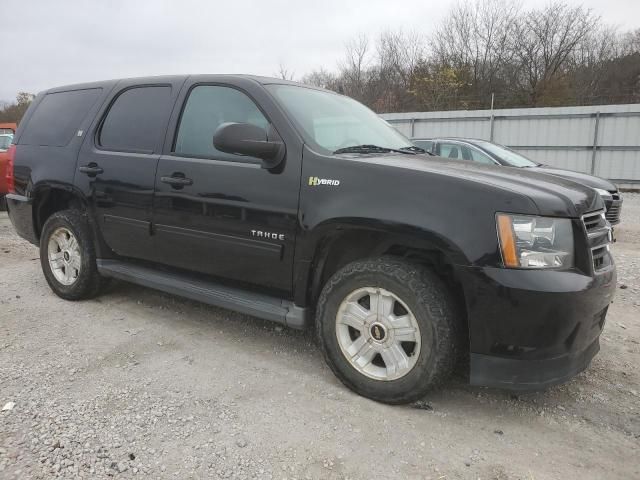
603 140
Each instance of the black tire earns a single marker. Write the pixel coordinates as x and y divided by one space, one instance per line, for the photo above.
433 307
88 282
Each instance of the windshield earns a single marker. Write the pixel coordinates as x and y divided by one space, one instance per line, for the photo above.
507 156
5 141
329 121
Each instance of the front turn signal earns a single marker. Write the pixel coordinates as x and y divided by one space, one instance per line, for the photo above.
507 241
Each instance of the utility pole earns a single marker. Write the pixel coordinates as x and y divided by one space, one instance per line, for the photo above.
491 119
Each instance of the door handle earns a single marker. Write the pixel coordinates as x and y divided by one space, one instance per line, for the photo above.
91 169
177 180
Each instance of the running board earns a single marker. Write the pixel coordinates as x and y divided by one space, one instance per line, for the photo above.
255 304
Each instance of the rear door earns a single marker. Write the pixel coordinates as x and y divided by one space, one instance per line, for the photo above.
117 162
222 214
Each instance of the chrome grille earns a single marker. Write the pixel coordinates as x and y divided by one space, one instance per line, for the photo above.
613 213
601 257
598 231
594 222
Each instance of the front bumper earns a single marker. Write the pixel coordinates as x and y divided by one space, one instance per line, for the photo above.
20 210
533 329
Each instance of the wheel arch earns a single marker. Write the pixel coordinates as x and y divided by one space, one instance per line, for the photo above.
54 197
334 244
51 198
337 244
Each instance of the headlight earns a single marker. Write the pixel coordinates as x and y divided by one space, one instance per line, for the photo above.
603 193
535 242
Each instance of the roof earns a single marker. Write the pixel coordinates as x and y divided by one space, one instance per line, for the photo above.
456 139
198 77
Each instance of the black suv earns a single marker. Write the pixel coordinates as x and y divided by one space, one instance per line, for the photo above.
301 206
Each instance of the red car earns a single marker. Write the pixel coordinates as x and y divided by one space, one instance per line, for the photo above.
7 130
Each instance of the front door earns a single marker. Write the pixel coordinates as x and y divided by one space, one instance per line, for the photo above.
223 214
117 163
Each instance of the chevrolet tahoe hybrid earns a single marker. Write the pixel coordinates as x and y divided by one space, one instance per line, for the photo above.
301 206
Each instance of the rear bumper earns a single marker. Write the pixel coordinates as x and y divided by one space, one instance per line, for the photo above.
21 215
533 329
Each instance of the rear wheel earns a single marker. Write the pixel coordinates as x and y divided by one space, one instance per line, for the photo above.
388 329
67 256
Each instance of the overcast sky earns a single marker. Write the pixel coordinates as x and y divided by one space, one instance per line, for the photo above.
49 43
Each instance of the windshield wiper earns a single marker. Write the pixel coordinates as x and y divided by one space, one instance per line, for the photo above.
373 149
415 149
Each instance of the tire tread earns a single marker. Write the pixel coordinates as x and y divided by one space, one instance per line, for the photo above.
431 291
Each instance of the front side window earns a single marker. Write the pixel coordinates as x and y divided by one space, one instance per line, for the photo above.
424 144
451 150
508 156
478 156
136 120
329 121
207 107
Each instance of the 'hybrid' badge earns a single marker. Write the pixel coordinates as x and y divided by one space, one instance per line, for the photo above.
315 181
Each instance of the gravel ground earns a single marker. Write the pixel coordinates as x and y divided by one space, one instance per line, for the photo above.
141 384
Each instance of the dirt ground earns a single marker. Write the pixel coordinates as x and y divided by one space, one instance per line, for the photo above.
142 384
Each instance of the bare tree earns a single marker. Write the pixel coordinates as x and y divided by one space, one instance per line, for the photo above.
554 55
284 73
398 55
587 65
13 112
630 43
544 42
321 78
475 39
354 67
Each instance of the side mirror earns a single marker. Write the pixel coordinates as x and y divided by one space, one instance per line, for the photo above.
251 140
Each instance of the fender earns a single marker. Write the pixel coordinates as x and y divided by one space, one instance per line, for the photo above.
441 211
341 240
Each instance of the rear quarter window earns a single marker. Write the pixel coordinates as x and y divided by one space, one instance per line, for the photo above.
58 116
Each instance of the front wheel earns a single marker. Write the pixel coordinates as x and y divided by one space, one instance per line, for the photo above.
67 256
388 329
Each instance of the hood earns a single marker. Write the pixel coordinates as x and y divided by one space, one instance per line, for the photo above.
583 178
552 195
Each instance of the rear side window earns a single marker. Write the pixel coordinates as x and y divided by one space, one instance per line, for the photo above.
58 116
136 120
206 109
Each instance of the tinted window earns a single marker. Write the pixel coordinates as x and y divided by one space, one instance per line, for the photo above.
136 120
450 150
207 107
58 116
